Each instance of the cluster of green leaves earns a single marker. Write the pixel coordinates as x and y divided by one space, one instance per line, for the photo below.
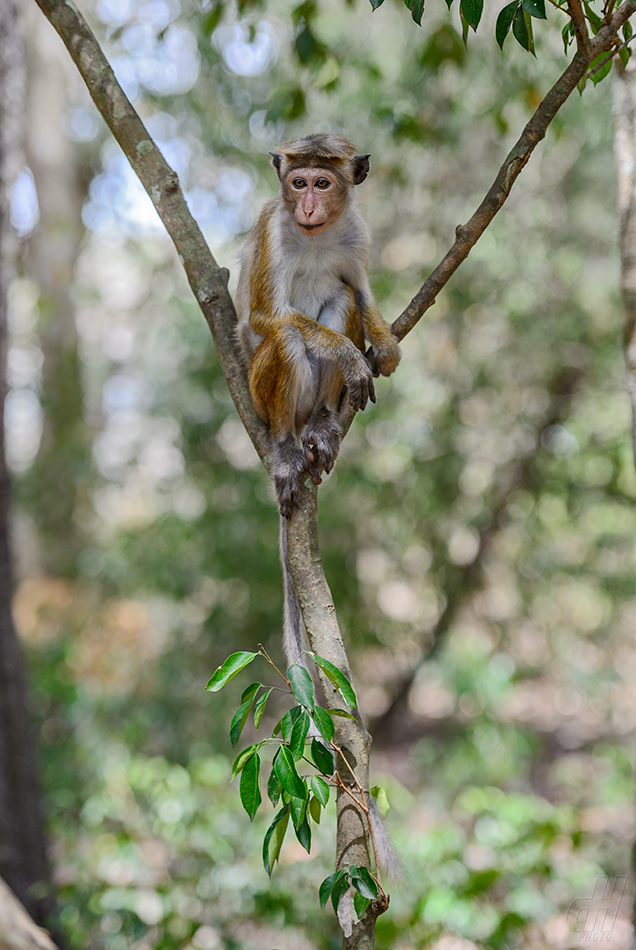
302 798
517 16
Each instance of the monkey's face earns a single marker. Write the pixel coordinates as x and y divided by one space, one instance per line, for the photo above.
316 198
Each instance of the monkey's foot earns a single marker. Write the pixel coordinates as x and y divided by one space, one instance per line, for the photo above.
321 439
289 463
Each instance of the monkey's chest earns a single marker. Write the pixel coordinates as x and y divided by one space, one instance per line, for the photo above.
314 287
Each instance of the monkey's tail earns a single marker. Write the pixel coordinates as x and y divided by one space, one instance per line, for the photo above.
387 855
292 617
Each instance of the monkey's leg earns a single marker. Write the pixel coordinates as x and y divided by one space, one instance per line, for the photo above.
323 434
283 384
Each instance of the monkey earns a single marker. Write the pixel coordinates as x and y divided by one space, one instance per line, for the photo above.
304 310
305 306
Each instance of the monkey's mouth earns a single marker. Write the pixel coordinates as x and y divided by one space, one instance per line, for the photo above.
311 227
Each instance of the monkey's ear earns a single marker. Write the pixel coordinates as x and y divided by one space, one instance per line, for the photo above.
276 161
360 168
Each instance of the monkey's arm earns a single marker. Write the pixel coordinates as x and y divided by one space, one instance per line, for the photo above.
385 355
324 343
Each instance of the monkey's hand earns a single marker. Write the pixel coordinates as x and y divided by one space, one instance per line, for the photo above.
321 441
358 380
384 356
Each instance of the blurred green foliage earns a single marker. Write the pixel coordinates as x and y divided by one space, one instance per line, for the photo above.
478 531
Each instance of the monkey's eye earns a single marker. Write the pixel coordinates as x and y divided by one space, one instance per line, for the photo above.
322 183
299 183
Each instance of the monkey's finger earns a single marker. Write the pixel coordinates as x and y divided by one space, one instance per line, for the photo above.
311 467
362 396
372 361
372 391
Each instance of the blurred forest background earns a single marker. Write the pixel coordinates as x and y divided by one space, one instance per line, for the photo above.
478 532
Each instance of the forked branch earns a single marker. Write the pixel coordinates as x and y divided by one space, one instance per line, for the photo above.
467 235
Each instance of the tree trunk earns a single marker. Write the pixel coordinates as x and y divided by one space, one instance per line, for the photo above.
17 930
624 91
54 481
23 861
625 150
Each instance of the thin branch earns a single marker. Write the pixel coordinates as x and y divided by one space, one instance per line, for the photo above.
468 234
559 6
611 55
575 10
207 280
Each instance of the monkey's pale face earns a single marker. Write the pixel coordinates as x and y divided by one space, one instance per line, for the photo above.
315 194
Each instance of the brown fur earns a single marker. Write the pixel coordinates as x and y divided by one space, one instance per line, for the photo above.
305 306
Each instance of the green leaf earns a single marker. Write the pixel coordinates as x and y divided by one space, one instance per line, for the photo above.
259 707
595 21
535 8
233 665
627 30
375 4
287 774
298 811
303 833
250 692
273 786
381 800
338 679
274 838
465 27
324 723
504 22
250 786
320 789
315 809
522 30
322 757
472 11
328 885
567 34
299 735
288 720
342 713
363 882
417 9
240 716
360 904
603 71
302 685
308 47
624 54
211 19
338 890
241 759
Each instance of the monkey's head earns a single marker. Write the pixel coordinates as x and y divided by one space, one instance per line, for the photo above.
317 174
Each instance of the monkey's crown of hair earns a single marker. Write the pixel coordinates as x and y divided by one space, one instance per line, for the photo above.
318 147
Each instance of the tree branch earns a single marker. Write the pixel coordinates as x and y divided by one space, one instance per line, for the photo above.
207 280
17 930
575 11
467 235
209 285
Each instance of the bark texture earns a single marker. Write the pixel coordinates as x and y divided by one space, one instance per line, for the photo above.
17 930
209 284
625 151
53 249
23 862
